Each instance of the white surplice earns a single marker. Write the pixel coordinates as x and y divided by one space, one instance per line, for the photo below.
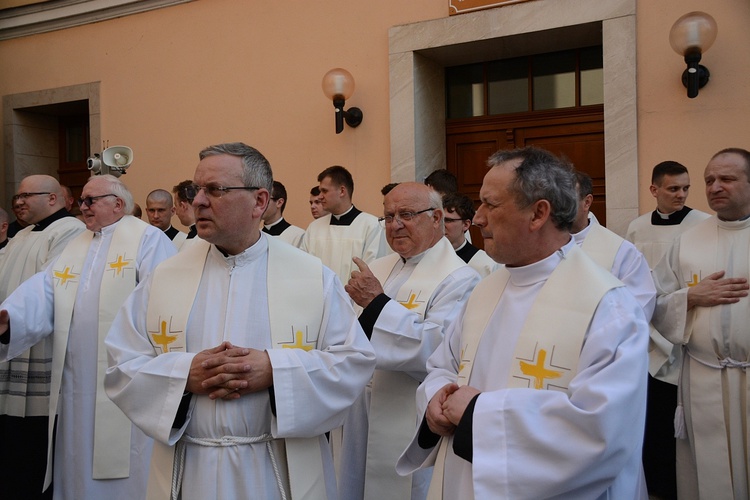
31 310
713 461
535 444
313 389
335 245
630 267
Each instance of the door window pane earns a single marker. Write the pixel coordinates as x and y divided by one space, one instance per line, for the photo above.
465 91
508 86
554 80
592 76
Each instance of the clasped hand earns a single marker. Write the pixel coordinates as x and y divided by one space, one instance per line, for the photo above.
229 372
447 406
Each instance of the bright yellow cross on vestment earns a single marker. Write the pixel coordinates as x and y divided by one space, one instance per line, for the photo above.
410 304
694 281
162 339
538 371
119 264
299 342
65 275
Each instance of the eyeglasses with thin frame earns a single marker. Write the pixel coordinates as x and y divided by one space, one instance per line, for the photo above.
90 200
23 196
401 217
448 220
214 190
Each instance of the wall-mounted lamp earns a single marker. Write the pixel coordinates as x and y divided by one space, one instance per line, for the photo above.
338 85
690 36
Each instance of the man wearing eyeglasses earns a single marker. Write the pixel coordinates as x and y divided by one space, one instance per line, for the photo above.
273 218
240 353
345 232
408 298
24 380
72 302
459 211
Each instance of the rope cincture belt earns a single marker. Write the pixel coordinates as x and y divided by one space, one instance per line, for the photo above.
179 467
722 363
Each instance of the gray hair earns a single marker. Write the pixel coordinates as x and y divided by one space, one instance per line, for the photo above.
542 176
256 169
436 202
120 190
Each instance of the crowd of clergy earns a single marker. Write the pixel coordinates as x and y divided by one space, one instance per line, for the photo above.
376 356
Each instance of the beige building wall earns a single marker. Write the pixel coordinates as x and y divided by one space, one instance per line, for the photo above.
673 127
173 80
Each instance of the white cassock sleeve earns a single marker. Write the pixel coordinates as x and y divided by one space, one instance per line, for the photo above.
671 316
404 341
631 267
543 443
30 320
314 389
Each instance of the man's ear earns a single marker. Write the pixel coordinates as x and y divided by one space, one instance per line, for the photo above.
465 224
540 214
588 200
653 190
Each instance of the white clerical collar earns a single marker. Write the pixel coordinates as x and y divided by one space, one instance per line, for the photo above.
108 230
734 224
251 253
462 245
663 215
540 270
267 226
337 217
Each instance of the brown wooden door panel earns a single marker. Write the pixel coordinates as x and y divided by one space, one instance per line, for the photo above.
578 136
582 145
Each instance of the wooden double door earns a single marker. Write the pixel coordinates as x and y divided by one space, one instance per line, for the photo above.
577 135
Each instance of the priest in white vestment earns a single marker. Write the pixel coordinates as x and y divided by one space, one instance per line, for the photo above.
703 306
159 209
25 380
274 223
346 231
409 299
536 392
652 234
73 301
255 354
611 251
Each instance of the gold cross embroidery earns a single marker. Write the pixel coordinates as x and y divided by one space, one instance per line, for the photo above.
410 304
694 281
538 371
65 275
162 339
299 342
119 264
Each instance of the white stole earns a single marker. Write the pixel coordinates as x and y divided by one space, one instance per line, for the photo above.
111 427
602 245
293 278
393 393
179 239
555 327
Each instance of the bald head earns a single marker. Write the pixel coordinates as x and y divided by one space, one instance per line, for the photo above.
415 212
160 208
38 197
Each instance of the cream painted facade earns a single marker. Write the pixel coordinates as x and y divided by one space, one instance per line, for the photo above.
183 75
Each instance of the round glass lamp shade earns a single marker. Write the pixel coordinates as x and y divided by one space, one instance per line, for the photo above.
695 31
338 82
